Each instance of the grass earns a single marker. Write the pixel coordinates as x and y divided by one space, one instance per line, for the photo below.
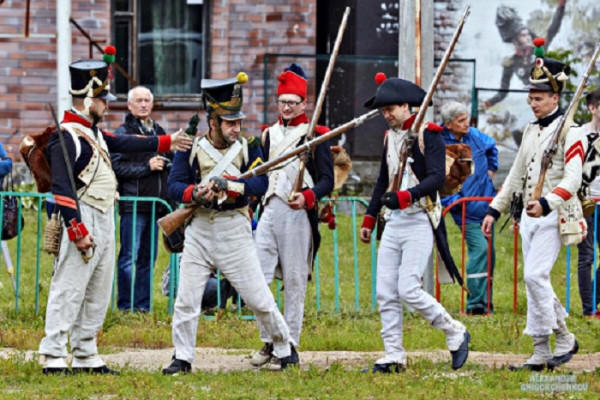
351 328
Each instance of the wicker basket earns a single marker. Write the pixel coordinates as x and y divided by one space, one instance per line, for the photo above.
53 235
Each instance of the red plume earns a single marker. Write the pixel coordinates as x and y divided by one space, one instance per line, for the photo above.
111 50
380 78
539 42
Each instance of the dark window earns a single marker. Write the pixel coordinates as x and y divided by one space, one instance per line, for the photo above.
161 44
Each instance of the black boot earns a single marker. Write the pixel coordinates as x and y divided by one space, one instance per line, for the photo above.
103 370
387 368
176 367
565 358
293 360
57 371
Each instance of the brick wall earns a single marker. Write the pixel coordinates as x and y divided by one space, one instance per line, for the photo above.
28 66
240 36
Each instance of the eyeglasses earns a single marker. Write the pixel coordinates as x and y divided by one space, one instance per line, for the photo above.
289 103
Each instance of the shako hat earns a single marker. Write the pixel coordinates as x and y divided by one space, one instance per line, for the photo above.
224 96
292 81
395 91
547 74
90 78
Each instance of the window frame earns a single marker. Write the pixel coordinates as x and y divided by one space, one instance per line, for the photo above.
132 17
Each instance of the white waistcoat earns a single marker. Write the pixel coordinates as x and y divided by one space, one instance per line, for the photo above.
99 178
284 139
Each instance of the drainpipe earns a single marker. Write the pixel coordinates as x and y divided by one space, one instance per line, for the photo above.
63 55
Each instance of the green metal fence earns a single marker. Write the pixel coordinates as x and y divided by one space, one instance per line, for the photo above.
339 271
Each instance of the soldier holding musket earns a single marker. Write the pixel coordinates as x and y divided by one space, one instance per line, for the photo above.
407 240
219 234
84 188
550 155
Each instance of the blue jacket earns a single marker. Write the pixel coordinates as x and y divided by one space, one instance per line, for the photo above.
485 158
5 164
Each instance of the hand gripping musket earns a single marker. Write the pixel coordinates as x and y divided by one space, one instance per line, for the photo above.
170 222
299 183
563 126
417 127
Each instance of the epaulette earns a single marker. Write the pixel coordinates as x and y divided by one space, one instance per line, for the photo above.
508 62
253 142
434 127
109 133
321 130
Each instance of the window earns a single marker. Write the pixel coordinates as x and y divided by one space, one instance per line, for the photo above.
161 44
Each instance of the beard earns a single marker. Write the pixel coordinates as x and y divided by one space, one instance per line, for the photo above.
96 116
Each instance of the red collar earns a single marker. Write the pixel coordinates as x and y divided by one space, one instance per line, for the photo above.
72 117
300 119
408 123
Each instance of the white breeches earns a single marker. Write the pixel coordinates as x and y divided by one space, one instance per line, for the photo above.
222 240
284 240
404 251
541 245
79 292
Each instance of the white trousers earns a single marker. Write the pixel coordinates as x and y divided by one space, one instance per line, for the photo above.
79 292
284 239
404 251
222 240
541 245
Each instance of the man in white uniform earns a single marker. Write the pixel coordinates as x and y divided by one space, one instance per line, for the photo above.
553 218
287 236
407 240
219 234
83 271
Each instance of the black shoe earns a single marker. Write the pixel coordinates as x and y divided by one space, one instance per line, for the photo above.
293 360
459 356
57 371
103 370
528 367
565 358
176 367
386 368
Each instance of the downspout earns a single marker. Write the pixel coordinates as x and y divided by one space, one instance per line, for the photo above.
63 55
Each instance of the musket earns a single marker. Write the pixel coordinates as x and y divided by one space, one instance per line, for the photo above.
563 126
63 146
299 183
416 130
170 222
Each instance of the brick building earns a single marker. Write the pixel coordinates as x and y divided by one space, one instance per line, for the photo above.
181 41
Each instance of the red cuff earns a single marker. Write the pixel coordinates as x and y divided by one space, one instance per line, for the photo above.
404 199
368 222
310 200
164 144
187 194
231 193
77 230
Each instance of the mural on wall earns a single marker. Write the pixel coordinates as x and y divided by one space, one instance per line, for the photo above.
499 36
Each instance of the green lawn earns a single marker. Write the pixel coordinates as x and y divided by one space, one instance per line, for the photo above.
338 324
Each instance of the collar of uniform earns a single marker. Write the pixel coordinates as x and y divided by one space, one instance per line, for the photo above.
300 119
547 120
408 123
72 116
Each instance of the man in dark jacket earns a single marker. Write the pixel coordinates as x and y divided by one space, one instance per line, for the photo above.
485 159
141 175
408 238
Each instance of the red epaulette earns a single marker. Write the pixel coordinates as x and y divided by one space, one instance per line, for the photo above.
320 129
109 133
434 127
